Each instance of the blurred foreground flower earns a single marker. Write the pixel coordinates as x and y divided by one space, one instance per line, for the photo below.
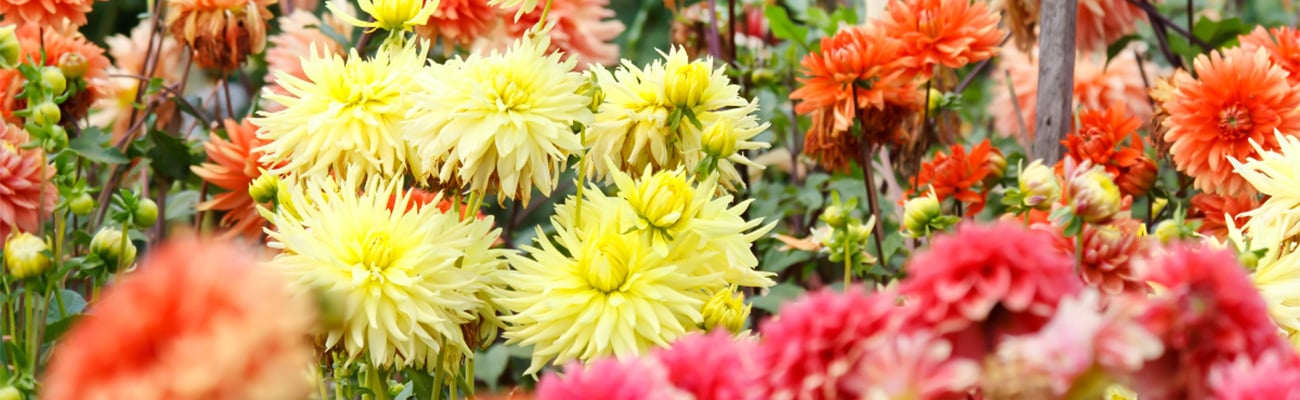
608 379
25 184
201 321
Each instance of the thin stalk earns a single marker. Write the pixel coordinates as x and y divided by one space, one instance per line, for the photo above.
848 266
375 380
870 181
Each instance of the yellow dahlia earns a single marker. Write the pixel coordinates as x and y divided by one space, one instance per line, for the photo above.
1273 173
501 122
406 278
1273 228
344 116
636 270
389 15
657 116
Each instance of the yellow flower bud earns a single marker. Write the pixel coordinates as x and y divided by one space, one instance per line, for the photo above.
1167 231
935 98
73 65
662 201
836 216
720 139
46 113
265 188
685 85
1118 392
726 309
1093 195
52 78
997 168
107 245
10 50
919 213
1039 186
26 255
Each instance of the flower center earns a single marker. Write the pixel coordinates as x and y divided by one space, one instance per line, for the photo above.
1234 122
928 22
508 95
608 270
376 252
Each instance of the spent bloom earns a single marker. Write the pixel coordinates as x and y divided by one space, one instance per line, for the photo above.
1230 110
389 15
498 123
345 115
203 321
406 278
222 32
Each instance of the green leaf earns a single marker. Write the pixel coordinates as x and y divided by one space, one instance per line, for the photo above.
171 156
181 205
1119 45
784 28
776 296
488 366
93 146
778 260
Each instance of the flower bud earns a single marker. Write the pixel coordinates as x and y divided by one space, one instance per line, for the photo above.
836 216
1039 186
265 188
108 246
11 51
921 214
685 85
146 213
591 88
763 76
859 233
10 393
73 65
1138 179
720 139
46 113
997 164
82 205
26 255
662 201
53 80
1094 197
936 98
726 309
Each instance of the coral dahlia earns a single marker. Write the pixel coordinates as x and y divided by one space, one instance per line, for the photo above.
949 33
63 15
955 175
233 165
1215 210
1282 44
712 366
26 188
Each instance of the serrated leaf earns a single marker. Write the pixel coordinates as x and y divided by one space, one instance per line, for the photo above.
93 145
171 156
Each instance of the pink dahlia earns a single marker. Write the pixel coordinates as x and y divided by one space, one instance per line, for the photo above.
25 187
918 365
1109 252
1207 312
610 379
1101 22
584 29
810 347
1272 375
712 366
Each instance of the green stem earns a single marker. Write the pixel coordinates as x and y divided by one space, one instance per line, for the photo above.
375 380
848 266
30 327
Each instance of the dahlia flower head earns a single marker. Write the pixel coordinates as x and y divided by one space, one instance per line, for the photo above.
1272 375
223 33
1282 44
583 30
63 15
1205 311
199 320
27 191
499 123
405 279
346 115
1110 252
1098 85
233 165
389 15
610 379
301 39
981 279
1230 110
1098 23
1085 333
713 366
956 174
947 33
623 285
1269 227
1217 212
459 22
634 124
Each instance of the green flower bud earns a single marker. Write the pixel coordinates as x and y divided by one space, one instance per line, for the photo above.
52 79
146 213
107 245
265 188
921 216
720 139
1039 185
1167 231
26 255
73 65
726 309
82 205
46 113
11 51
835 216
10 393
763 76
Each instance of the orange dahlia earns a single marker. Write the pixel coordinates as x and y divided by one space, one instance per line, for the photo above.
1097 85
835 150
57 44
1214 210
1282 44
222 32
25 186
857 70
233 165
956 174
300 38
1100 139
1239 97
67 15
460 22
1100 22
198 320
583 29
951 33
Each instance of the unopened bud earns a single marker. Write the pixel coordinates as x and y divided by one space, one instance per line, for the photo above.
113 248
921 216
10 393
1167 231
73 65
997 164
11 51
82 205
726 309
265 188
46 113
1039 186
1094 197
720 139
763 76
26 255
146 213
836 216
1138 179
685 85
936 99
53 80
